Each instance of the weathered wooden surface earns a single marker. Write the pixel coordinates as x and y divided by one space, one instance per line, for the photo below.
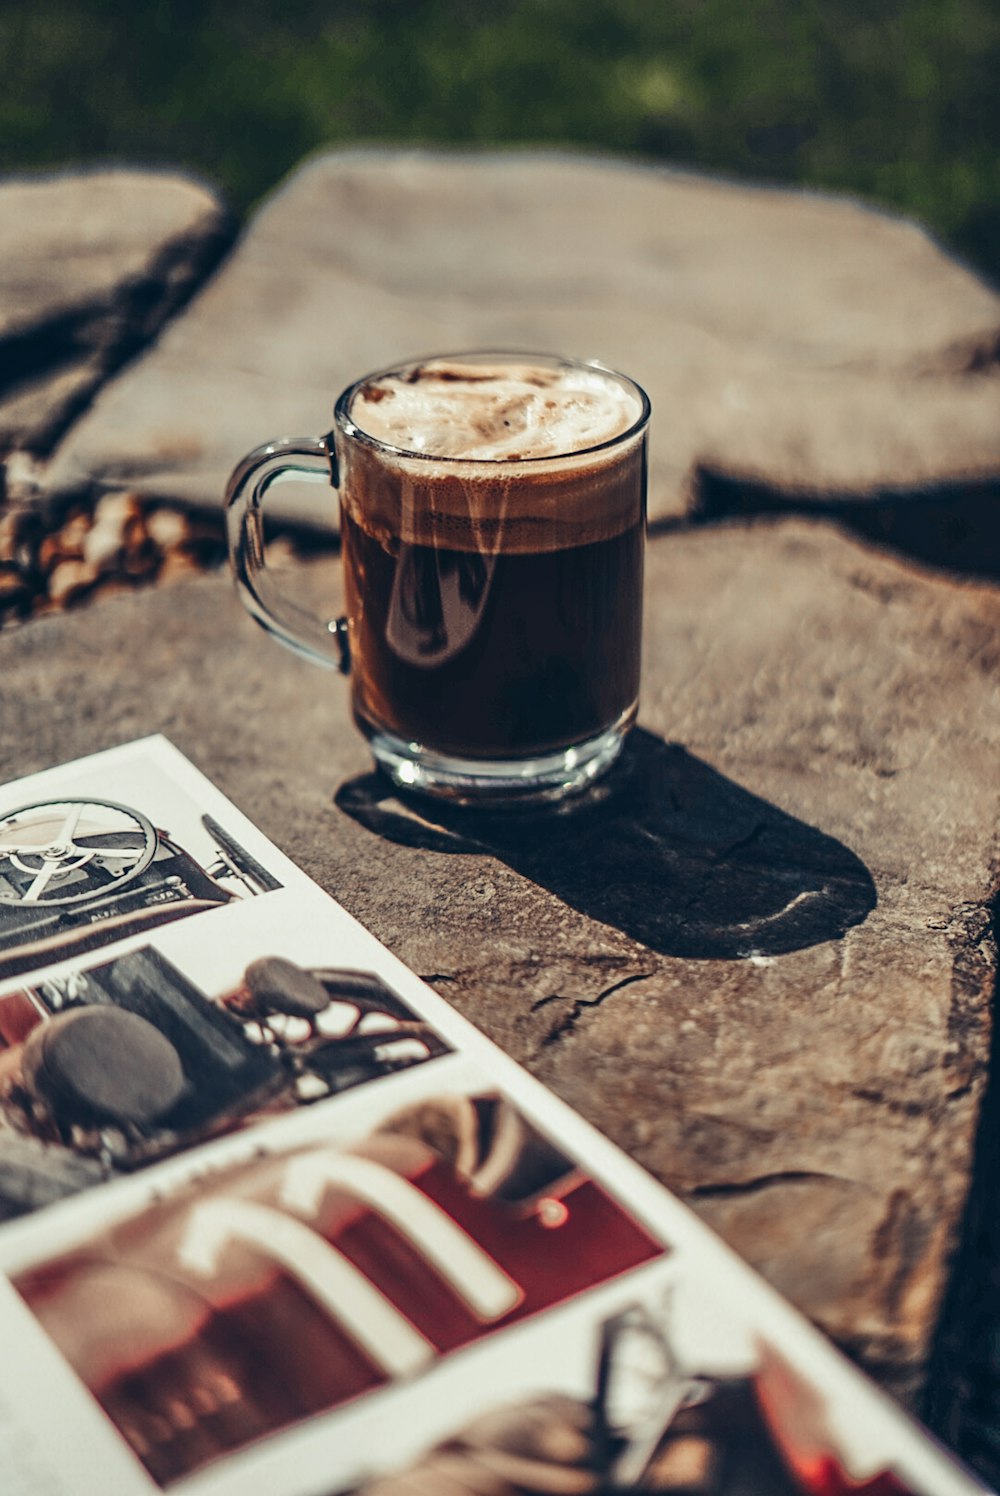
803 342
90 265
759 959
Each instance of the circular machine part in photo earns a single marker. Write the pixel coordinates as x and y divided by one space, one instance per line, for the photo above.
67 851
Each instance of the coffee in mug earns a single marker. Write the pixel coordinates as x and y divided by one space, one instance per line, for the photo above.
492 527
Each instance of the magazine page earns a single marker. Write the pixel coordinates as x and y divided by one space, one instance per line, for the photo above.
275 1219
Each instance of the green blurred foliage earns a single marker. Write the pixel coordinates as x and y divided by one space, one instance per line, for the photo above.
895 100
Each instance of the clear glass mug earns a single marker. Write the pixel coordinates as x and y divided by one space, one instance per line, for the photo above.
494 605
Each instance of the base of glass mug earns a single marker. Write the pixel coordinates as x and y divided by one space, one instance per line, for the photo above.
495 782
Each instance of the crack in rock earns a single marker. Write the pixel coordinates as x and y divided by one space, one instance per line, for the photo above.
766 1181
568 1023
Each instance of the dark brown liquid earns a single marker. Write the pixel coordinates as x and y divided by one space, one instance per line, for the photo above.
508 651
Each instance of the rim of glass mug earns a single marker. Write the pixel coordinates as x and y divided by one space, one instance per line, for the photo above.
342 407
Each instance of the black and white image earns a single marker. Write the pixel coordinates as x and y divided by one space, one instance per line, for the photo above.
77 873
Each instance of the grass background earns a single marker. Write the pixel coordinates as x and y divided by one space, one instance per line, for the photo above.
897 101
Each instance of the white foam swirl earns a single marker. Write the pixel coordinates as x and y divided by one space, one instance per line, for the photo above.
494 413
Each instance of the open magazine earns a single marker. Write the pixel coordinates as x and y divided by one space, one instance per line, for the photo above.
275 1219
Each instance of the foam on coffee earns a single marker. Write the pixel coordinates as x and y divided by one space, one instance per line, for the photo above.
485 412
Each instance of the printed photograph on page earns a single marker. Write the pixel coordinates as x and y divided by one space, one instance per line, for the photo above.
96 852
297 1282
110 1068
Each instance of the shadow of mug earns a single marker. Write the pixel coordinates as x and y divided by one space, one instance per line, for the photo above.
665 848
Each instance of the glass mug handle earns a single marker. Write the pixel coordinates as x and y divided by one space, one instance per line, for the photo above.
309 459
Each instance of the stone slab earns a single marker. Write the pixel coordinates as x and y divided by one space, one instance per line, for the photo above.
803 341
90 265
758 957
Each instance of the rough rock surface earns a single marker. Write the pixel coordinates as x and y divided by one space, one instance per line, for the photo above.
90 265
803 342
760 961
